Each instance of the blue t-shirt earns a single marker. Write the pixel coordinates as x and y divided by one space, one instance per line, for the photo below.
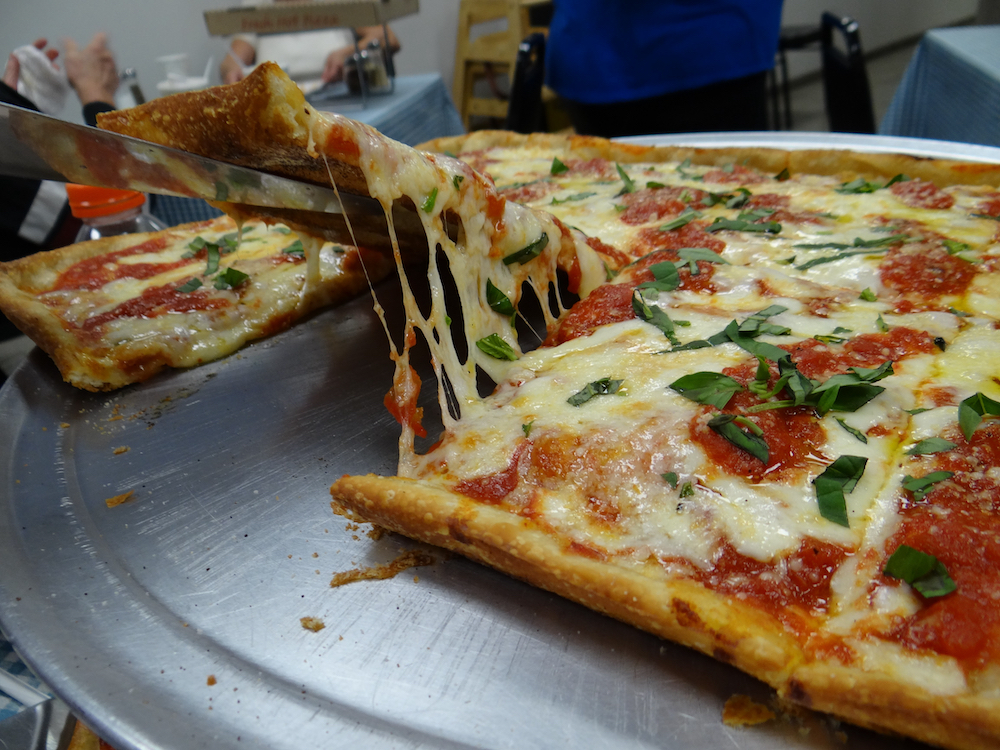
605 51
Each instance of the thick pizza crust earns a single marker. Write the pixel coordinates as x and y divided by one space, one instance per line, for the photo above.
679 610
845 163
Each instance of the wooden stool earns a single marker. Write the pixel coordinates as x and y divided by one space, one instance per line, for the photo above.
488 55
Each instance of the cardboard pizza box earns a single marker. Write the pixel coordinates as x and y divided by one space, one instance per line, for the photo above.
280 18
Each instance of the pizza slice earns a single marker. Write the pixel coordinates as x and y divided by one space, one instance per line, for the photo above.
120 309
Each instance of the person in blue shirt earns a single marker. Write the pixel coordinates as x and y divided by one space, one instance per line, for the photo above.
662 66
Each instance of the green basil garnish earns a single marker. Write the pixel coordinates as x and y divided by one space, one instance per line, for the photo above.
727 425
712 388
530 252
428 205
837 480
295 248
920 486
230 278
190 285
923 572
557 167
972 410
930 445
496 347
497 300
602 387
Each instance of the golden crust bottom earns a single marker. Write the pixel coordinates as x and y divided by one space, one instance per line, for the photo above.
679 610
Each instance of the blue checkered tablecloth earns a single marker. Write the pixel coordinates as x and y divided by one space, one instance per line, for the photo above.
12 664
951 88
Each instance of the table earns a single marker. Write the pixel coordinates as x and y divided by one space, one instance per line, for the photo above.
418 109
951 89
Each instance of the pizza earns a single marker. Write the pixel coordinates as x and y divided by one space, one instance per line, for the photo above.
117 310
766 429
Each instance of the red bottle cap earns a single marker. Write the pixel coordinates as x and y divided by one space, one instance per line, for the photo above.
86 201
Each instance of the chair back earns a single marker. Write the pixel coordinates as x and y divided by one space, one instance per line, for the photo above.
845 79
525 110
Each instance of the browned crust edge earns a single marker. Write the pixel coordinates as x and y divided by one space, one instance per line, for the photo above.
680 610
841 162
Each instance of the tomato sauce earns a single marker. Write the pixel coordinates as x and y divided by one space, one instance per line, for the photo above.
616 256
699 282
652 204
597 167
739 175
611 303
493 488
95 272
533 191
921 194
958 522
791 589
157 301
793 435
819 361
929 273
689 235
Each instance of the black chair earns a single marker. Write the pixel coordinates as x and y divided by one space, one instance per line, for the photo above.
525 110
845 79
790 38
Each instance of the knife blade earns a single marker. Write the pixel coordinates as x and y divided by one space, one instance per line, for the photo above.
38 146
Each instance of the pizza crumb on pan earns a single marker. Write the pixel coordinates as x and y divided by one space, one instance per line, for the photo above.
117 500
406 560
312 623
743 711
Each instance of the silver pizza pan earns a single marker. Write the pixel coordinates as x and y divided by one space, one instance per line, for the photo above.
173 620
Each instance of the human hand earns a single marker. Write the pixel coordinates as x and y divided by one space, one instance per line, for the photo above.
12 72
91 70
333 70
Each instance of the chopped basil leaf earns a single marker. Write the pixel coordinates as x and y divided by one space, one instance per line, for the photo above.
837 480
231 241
972 410
573 197
295 248
497 300
602 387
920 486
959 313
914 412
683 220
954 247
282 230
428 205
496 347
841 329
756 324
712 388
930 445
860 185
652 185
849 391
940 343
756 348
897 178
867 295
221 191
726 425
740 224
828 339
987 216
924 572
783 175
190 285
687 490
671 478
881 324
629 182
526 428
853 431
196 244
558 167
529 252
665 276
212 264
457 180
654 316
230 278
691 256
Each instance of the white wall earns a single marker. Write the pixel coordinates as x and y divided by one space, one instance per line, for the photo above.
142 30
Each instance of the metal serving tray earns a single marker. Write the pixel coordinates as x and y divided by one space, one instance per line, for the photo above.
173 620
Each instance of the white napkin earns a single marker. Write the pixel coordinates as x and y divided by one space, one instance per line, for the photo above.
41 81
